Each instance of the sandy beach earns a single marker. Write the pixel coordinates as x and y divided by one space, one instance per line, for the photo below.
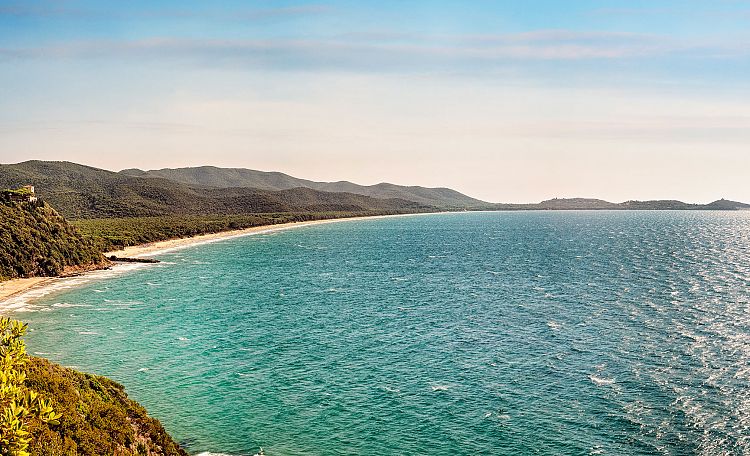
14 287
10 288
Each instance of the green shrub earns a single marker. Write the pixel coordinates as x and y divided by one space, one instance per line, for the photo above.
18 404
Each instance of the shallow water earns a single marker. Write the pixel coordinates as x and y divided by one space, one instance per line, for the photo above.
565 333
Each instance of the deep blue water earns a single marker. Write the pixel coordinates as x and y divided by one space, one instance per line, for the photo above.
560 333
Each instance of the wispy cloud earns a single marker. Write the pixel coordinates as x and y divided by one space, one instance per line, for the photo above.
545 45
56 10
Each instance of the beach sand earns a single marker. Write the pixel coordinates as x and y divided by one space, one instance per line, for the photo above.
15 287
12 287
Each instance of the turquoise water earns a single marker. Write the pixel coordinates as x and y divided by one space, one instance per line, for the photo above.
560 333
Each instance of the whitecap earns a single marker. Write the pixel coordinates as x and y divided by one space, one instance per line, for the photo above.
182 338
88 333
143 369
553 325
440 387
208 453
599 381
66 305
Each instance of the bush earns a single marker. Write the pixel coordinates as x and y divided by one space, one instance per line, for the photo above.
18 404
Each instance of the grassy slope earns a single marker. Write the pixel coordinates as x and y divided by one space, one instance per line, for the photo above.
98 418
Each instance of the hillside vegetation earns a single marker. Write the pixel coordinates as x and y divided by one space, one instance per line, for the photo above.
36 241
97 417
82 192
211 176
116 233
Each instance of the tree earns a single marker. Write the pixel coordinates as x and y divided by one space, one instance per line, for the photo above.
18 404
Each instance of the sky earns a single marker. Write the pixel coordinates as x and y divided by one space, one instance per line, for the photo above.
507 101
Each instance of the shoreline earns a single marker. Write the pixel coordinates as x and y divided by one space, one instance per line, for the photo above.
16 288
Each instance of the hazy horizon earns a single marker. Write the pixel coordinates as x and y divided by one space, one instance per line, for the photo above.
501 101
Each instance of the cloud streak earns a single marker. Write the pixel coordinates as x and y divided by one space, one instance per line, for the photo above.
55 10
432 53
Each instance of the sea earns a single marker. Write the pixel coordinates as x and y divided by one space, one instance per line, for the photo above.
489 333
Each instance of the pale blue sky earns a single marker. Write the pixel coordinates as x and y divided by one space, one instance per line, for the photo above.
504 100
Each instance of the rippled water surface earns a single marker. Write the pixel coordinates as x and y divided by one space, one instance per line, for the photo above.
561 333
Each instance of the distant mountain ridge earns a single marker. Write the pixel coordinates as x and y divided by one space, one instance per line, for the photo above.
562 204
214 177
82 192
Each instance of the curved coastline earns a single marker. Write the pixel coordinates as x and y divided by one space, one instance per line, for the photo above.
16 293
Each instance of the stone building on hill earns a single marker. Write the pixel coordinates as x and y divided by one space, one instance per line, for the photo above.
24 194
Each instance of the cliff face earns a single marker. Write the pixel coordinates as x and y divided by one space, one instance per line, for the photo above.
97 417
36 241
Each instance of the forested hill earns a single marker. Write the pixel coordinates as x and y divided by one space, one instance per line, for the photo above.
214 177
81 192
84 192
36 241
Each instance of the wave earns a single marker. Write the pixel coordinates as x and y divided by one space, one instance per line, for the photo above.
22 301
208 453
599 381
66 305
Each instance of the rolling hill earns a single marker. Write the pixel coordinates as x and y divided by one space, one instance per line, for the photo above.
213 177
81 192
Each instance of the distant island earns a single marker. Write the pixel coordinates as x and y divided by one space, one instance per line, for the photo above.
562 204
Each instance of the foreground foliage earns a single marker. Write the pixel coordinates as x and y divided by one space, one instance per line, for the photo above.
36 241
97 417
18 404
